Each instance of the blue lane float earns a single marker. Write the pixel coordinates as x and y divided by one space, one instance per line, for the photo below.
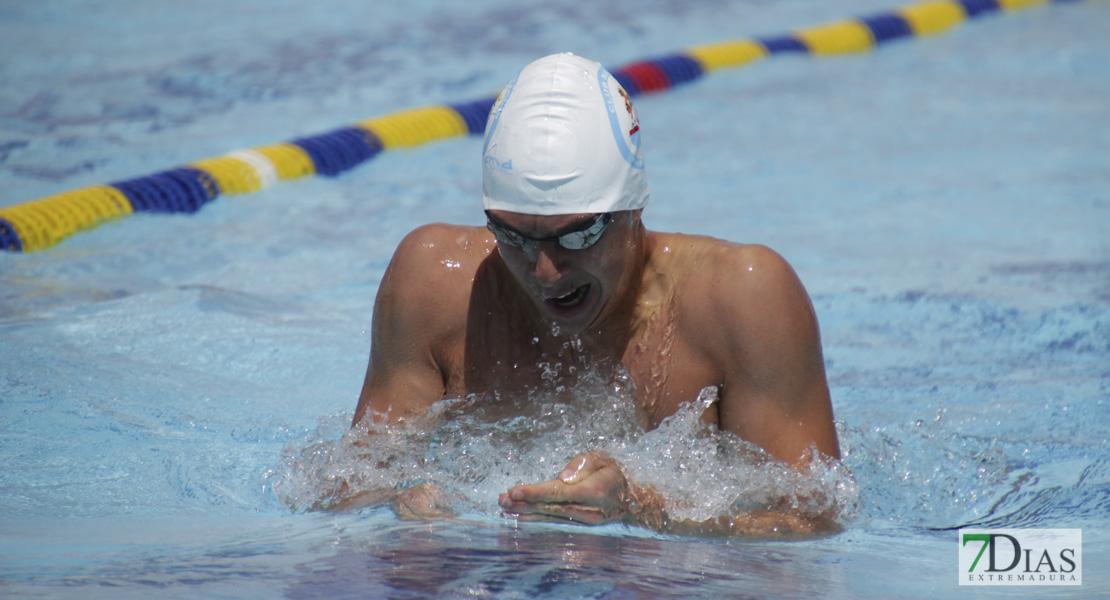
44 222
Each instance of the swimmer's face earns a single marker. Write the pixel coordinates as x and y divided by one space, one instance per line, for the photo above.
573 288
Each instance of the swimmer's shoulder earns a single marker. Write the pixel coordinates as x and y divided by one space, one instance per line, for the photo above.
725 285
711 258
434 266
439 250
707 257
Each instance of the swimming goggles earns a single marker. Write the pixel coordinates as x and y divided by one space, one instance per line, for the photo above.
579 239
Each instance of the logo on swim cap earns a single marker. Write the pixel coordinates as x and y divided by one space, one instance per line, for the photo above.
631 111
563 138
634 158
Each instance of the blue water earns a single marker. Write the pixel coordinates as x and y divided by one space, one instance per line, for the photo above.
946 202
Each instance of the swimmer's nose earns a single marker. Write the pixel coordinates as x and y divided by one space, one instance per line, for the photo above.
545 266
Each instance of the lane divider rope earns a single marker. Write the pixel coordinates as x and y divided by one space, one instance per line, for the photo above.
42 223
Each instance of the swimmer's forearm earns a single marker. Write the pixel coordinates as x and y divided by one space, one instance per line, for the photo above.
343 499
420 502
647 508
759 525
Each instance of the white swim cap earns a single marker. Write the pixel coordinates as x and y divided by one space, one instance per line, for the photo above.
563 139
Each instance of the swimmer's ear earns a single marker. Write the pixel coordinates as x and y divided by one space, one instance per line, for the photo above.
634 217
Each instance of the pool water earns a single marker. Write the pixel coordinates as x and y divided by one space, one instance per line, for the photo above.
945 200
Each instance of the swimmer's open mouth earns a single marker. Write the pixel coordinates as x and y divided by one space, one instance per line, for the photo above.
572 298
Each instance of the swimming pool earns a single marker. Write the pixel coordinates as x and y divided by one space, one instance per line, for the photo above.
944 200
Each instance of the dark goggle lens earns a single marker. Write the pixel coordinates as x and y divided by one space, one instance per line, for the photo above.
574 240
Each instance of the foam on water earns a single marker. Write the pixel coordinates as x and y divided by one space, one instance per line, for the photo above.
477 447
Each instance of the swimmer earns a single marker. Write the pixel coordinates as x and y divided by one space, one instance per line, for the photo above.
566 268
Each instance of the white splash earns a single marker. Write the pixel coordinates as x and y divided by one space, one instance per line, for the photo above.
475 448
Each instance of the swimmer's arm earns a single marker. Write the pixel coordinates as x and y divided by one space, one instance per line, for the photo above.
411 319
404 377
774 392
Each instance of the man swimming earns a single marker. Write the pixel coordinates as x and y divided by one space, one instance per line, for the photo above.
565 265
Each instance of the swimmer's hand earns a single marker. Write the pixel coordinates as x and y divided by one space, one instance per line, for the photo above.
592 489
421 502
